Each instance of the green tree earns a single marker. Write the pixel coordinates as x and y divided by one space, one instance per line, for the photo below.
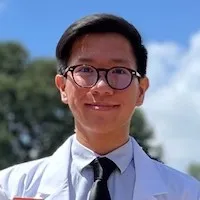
33 121
144 134
12 62
194 170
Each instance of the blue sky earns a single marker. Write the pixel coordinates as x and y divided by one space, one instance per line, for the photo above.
38 24
171 30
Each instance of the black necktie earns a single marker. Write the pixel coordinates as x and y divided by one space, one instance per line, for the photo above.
102 167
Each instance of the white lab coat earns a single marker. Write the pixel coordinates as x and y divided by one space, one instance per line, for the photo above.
48 178
3 195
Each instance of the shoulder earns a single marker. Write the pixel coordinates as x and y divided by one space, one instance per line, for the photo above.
18 177
177 181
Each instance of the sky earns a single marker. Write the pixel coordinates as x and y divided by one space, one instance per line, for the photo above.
171 32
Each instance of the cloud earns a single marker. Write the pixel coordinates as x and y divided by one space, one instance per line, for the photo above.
172 104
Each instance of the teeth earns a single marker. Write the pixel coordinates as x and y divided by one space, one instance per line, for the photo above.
102 106
98 107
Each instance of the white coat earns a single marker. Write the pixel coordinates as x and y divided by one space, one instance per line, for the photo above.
48 178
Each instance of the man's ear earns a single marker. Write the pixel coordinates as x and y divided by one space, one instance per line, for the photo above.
143 86
60 84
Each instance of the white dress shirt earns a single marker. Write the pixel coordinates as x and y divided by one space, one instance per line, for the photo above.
121 181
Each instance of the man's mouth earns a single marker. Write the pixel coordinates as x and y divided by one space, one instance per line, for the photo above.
102 106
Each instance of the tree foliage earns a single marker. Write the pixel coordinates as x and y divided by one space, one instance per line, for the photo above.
194 170
144 134
33 121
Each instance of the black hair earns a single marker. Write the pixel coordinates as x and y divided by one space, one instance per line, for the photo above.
101 23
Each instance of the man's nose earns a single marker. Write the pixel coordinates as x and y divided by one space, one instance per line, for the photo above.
102 87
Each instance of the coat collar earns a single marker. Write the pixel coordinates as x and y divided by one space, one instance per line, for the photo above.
149 182
54 183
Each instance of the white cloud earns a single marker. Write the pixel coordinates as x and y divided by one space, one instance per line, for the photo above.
172 104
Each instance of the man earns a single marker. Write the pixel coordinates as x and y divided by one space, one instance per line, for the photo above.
102 78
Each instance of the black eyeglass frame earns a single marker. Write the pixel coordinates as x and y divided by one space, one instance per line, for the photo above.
71 69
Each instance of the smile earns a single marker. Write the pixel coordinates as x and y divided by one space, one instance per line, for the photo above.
102 107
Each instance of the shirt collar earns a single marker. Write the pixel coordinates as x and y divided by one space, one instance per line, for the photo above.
83 156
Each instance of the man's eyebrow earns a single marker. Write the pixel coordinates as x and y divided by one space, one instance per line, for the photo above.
114 60
86 60
120 60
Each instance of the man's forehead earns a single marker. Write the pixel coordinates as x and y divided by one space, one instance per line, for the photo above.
89 47
92 39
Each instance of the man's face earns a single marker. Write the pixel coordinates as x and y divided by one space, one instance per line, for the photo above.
100 108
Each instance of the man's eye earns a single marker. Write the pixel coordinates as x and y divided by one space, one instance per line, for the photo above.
119 71
85 69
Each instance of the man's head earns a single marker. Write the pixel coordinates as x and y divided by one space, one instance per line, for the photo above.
101 23
101 72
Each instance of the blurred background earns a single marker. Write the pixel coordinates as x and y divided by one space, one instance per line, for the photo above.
33 121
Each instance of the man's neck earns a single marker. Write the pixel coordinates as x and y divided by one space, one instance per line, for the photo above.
102 143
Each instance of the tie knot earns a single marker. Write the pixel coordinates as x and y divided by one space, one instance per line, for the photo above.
102 167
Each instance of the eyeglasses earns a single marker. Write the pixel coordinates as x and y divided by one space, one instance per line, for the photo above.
118 78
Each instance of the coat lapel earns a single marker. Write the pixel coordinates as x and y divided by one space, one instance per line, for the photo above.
62 193
54 183
148 184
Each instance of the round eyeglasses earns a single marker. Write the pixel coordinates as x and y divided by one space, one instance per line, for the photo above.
118 78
